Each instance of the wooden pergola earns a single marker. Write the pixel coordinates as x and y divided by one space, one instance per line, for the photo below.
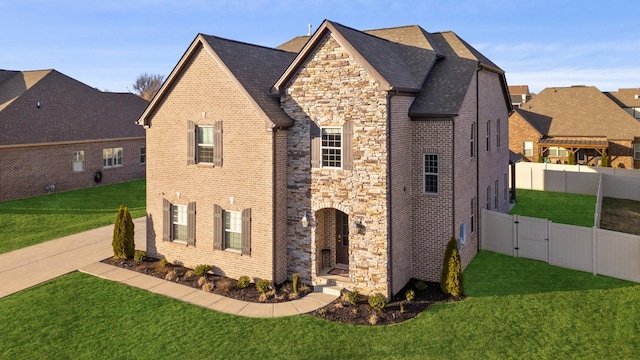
574 145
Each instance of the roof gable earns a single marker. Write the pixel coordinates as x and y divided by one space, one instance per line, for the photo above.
56 108
15 83
627 98
581 111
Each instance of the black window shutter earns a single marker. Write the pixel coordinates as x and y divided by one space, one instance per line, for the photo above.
191 142
217 143
347 146
316 157
217 227
191 224
166 220
246 232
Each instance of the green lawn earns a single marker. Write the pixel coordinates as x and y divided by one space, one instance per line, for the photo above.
31 221
517 308
563 208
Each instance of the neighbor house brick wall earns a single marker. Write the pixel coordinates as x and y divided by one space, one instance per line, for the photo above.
245 179
432 213
620 154
26 171
400 165
330 89
520 131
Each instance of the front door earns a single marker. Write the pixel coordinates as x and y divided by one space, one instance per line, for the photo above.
342 238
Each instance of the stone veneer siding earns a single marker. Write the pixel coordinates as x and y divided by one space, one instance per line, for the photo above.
330 89
247 173
26 171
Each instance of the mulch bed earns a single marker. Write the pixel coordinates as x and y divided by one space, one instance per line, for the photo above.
341 310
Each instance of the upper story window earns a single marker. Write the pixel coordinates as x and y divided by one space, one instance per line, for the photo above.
331 147
111 157
78 161
527 148
204 143
472 139
431 173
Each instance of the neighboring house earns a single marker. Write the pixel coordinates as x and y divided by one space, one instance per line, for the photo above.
58 134
578 119
363 151
628 99
519 95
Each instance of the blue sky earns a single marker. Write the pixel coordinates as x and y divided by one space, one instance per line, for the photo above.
107 44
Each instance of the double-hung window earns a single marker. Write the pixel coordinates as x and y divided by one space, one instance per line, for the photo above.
143 155
527 148
495 195
232 230
205 144
473 213
472 139
331 147
179 223
636 151
111 157
78 161
557 152
498 133
431 173
488 135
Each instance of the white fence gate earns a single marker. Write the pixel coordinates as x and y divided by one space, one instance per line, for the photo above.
593 250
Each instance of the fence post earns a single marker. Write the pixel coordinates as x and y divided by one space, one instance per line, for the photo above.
548 239
594 250
514 236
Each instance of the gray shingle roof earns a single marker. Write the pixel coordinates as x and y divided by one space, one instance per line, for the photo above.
579 111
69 111
257 68
628 98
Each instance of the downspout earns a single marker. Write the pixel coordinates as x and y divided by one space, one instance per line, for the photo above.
389 202
477 149
274 212
453 176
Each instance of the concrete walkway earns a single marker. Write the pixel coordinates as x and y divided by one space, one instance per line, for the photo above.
27 267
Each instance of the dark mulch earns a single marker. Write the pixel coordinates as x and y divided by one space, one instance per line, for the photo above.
397 310
221 285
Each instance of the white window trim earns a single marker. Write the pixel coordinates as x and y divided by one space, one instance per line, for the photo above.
425 173
322 147
234 231
81 162
203 145
183 209
112 157
525 148
143 152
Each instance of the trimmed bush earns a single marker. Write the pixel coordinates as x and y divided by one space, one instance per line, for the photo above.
123 243
451 278
140 255
377 301
421 285
352 297
244 281
572 158
604 160
164 262
296 282
410 295
263 285
201 269
540 159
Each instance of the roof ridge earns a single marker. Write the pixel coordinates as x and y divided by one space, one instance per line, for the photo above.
243 43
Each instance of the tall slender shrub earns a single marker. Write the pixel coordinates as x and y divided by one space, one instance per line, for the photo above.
123 242
572 158
451 278
540 159
604 160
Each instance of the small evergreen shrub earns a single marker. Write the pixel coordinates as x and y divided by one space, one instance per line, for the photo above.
296 282
451 278
421 285
401 308
540 159
164 262
201 269
410 295
123 243
207 287
262 285
352 297
572 158
243 281
604 160
377 301
140 255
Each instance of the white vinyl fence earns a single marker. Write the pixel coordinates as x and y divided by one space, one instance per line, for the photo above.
593 250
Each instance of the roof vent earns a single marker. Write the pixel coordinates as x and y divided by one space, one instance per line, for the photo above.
309 32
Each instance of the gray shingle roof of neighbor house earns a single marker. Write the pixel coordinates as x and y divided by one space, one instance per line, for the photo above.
579 111
47 106
628 98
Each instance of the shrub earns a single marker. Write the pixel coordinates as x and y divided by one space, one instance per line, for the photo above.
604 160
207 287
373 319
451 278
225 284
243 281
572 158
140 255
293 296
410 295
202 280
171 275
123 243
164 262
201 269
296 282
401 308
377 301
540 159
421 285
352 297
262 285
